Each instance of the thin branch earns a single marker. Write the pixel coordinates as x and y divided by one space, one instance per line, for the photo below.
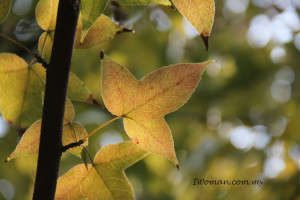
35 55
72 145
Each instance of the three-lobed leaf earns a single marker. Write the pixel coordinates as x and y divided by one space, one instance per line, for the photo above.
4 9
200 13
144 103
72 132
105 179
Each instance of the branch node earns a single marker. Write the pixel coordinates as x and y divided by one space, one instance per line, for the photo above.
72 145
41 60
102 54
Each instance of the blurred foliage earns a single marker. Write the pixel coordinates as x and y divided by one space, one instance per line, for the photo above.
241 123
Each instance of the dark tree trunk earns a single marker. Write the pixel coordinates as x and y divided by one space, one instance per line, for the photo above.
57 77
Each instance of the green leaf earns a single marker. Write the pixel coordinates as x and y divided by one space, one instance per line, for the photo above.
72 132
105 180
78 91
145 2
21 88
90 11
4 9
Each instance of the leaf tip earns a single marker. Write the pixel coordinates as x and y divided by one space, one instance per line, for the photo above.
205 40
125 30
102 54
209 62
8 159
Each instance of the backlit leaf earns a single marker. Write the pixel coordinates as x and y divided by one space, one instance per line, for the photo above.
21 90
72 132
45 45
146 2
105 180
78 91
90 11
103 30
200 13
69 111
46 13
144 103
4 9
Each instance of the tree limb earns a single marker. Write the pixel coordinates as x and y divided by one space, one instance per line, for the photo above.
57 77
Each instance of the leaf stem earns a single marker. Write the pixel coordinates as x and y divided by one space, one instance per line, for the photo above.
101 126
35 55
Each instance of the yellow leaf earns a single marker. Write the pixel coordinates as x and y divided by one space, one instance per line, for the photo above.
46 13
4 9
72 132
90 11
200 13
105 180
144 103
21 90
69 111
103 29
146 2
45 45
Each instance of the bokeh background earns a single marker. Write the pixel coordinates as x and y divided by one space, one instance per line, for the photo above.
243 121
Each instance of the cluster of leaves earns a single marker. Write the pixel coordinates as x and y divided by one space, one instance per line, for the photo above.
141 103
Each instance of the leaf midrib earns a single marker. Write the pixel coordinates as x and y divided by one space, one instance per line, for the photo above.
156 96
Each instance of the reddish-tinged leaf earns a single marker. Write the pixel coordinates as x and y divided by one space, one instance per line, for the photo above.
144 103
105 180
